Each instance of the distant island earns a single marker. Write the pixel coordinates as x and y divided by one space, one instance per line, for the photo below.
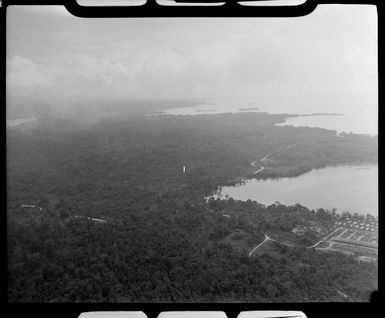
205 110
249 108
320 114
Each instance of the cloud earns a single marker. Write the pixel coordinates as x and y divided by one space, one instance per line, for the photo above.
24 74
80 77
155 72
67 61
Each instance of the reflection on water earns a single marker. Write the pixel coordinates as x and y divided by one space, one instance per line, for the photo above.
345 188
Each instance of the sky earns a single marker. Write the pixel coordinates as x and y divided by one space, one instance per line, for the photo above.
56 60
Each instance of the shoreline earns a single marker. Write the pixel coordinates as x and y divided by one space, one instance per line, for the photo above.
339 133
295 175
239 182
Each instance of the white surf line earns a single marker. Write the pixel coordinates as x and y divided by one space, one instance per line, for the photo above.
264 241
325 238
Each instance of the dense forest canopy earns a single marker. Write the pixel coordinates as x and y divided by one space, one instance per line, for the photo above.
162 241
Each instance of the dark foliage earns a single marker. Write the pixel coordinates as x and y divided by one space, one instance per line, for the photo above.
161 241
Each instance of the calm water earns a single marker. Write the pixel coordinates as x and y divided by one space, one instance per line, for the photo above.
346 188
345 123
360 112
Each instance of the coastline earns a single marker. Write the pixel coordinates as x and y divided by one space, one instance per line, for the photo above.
239 195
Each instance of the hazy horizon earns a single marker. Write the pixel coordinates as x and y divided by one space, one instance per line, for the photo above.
58 63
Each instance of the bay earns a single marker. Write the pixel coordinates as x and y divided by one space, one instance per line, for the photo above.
359 112
352 188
